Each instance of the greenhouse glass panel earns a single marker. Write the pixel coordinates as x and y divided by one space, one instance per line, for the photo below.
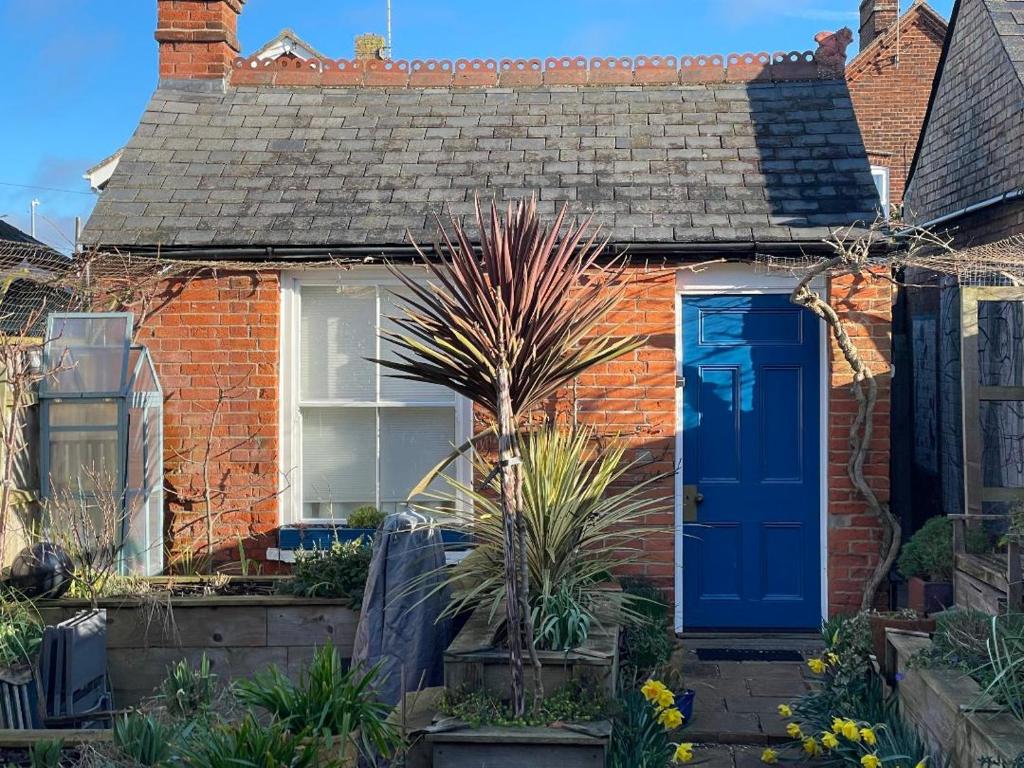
90 351
102 431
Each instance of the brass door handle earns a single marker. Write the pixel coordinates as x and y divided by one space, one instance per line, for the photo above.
692 498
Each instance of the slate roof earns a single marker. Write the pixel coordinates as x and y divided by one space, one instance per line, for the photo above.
267 166
972 146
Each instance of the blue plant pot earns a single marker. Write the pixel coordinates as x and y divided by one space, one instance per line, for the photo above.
684 703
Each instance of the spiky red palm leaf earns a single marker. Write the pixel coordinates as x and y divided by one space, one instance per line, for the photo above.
529 302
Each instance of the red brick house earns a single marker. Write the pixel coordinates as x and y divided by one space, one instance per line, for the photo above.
680 160
890 79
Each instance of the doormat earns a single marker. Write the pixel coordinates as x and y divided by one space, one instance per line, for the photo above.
739 654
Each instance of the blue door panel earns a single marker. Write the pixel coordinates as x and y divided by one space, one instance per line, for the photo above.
751 445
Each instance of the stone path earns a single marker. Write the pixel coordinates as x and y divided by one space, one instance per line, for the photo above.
737 701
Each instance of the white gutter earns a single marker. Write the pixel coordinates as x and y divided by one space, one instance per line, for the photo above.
1013 194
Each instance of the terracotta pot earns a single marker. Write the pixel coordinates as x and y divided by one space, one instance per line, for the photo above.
927 597
880 622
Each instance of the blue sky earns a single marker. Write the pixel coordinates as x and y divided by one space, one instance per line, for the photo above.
84 69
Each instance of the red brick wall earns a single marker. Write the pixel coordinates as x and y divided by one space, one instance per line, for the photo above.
854 535
218 329
213 334
890 100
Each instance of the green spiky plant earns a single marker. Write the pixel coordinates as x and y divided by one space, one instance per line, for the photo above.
583 519
506 323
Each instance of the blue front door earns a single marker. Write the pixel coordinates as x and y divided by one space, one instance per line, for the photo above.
752 558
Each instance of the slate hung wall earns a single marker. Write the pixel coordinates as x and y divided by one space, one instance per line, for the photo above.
224 330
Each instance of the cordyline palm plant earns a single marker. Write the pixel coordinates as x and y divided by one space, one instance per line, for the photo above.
506 325
584 518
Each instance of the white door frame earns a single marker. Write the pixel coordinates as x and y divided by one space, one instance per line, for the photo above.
745 278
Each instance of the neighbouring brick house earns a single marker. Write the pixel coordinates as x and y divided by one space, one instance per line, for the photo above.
889 80
240 162
967 182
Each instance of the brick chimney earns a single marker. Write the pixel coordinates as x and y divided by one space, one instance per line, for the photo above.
876 16
370 46
198 38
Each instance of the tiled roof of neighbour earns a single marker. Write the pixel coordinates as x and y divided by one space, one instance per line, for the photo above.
264 165
1008 17
971 148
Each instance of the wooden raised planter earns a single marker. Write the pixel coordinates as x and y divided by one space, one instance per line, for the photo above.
514 747
946 709
982 582
240 634
476 661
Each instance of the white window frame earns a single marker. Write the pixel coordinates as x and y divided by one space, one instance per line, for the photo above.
290 505
881 172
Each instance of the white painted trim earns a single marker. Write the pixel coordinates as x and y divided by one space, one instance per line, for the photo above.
749 279
290 499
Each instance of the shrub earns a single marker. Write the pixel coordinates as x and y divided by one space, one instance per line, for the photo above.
327 701
583 519
561 621
571 703
143 739
339 571
21 633
929 552
367 516
249 744
1006 663
188 692
960 642
647 644
48 753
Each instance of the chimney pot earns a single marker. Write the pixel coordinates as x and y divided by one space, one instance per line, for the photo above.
198 39
876 17
370 46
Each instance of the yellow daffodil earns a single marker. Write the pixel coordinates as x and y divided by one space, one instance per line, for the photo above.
869 736
665 699
829 740
850 731
652 689
670 718
683 753
833 658
922 764
837 725
794 731
870 761
769 756
817 666
785 710
811 746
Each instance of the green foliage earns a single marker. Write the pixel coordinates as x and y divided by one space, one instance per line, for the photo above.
46 754
929 552
1006 663
367 516
340 571
583 519
638 739
849 691
21 632
647 644
571 703
143 739
187 691
561 621
326 701
960 642
250 745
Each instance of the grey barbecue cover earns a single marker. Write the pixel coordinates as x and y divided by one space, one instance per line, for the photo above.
398 624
